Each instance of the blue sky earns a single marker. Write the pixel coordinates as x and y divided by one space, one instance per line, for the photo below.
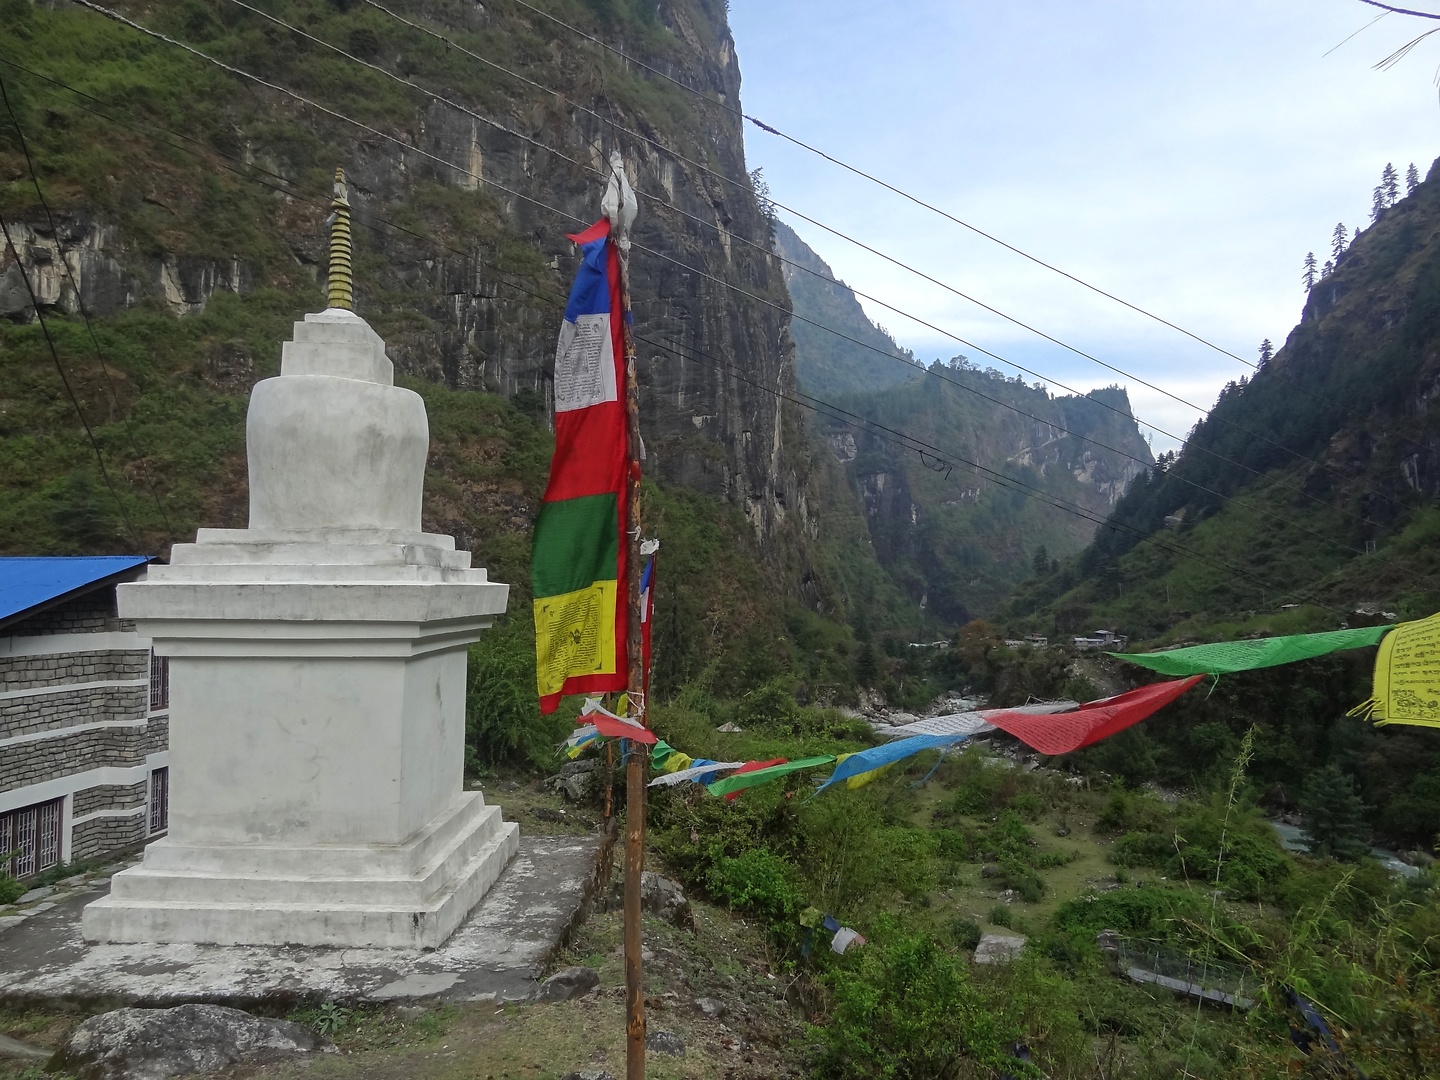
1184 155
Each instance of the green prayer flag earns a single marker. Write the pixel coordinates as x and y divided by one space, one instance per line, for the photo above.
1226 657
741 781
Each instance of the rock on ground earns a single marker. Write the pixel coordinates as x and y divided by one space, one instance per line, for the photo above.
663 1042
156 1044
567 983
588 1074
998 948
659 896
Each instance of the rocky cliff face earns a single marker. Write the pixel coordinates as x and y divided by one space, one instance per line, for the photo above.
954 538
478 305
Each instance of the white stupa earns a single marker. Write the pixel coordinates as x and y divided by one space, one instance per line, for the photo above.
317 679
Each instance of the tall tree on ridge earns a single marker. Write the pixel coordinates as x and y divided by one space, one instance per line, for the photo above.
1337 242
1267 353
1412 179
1327 269
1390 181
1377 203
1311 270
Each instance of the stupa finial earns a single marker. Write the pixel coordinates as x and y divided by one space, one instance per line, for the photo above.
340 287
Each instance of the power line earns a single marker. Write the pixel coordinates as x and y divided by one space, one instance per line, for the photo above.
809 270
660 255
84 315
65 380
627 58
771 129
931 456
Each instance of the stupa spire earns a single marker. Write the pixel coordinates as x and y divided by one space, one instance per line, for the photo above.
340 287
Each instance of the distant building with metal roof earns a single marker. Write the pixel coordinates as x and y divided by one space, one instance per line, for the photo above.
84 724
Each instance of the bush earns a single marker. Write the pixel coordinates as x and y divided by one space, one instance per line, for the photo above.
1000 915
1023 880
10 889
1142 849
966 932
759 882
502 717
907 1010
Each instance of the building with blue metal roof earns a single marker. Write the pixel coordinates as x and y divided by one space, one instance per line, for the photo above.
84 724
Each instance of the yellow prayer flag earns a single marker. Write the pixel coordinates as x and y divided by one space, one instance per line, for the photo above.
1406 687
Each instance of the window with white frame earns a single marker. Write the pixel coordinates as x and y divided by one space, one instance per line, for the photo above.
30 838
159 682
159 800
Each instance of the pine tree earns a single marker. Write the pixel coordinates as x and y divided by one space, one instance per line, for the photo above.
1267 353
1412 179
1334 815
1040 564
1327 269
1377 203
1390 181
1311 269
1337 243
866 666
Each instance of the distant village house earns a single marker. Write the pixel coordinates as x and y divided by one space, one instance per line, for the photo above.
84 728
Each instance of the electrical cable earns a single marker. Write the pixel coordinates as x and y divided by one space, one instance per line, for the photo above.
535 202
65 380
580 221
84 315
824 277
449 43
771 129
785 311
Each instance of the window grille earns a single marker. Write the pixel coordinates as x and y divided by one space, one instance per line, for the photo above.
159 682
159 800
30 838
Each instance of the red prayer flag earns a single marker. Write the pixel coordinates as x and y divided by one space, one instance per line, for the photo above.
1060 733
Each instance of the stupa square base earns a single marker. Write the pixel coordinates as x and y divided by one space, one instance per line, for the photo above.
411 895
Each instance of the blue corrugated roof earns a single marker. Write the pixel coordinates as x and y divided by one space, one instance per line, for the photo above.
27 583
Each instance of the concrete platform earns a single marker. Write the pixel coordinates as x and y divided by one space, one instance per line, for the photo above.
496 954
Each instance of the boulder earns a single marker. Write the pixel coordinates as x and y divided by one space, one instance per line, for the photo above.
664 1042
588 1074
155 1044
710 1008
659 896
998 948
567 983
577 780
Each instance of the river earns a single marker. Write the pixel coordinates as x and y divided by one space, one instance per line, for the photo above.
1292 837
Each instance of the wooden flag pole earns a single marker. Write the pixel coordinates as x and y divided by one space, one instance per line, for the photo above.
635 777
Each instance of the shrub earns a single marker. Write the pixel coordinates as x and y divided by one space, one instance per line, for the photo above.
1023 880
502 717
759 882
1142 849
1000 915
10 889
906 1010
966 932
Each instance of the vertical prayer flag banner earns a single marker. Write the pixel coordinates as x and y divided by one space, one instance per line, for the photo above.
1406 688
578 569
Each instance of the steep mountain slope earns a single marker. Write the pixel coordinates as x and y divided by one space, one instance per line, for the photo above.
858 357
1311 486
956 541
189 205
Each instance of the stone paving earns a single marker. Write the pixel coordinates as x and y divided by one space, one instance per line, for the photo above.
497 954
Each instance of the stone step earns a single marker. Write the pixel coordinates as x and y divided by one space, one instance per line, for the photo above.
308 922
360 861
143 883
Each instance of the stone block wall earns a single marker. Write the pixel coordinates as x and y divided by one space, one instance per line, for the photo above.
94 612
27 672
109 797
99 835
81 751
67 708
